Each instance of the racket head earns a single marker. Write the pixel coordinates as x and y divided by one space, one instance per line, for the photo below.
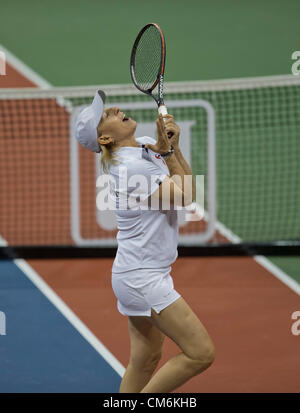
147 60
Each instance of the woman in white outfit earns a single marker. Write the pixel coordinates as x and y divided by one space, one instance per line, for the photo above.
147 245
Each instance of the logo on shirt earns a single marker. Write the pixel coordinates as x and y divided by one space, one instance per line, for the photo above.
157 156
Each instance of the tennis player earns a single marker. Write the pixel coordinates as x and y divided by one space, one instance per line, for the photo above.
147 246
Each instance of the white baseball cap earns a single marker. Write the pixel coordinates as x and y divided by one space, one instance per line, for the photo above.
87 123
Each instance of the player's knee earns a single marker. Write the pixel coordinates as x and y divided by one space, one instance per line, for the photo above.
209 355
204 358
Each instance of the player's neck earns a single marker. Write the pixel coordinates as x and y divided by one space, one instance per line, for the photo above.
130 141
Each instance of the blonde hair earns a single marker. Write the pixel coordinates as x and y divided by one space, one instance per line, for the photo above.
107 157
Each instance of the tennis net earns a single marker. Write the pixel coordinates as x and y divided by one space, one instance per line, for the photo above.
241 134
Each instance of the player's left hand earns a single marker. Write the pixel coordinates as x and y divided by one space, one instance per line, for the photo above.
172 128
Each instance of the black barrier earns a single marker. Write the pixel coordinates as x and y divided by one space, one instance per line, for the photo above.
241 249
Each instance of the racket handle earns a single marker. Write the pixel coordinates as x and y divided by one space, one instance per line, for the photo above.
162 110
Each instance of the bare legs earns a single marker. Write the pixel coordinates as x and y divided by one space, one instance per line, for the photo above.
181 324
145 352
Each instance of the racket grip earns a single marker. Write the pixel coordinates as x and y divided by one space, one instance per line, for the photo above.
162 110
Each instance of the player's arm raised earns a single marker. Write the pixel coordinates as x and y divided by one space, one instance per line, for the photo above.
174 189
173 129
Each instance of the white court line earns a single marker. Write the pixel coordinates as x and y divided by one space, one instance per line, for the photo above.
3 243
262 260
25 70
278 273
69 315
67 312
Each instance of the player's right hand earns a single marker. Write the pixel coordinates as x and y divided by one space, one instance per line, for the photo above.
172 129
162 144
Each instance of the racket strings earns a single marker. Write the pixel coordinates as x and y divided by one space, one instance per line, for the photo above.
148 57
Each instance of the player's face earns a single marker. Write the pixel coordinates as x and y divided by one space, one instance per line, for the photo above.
116 124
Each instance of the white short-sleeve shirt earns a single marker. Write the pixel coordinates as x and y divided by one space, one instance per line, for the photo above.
146 238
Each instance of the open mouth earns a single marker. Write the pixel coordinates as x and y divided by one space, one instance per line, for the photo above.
125 119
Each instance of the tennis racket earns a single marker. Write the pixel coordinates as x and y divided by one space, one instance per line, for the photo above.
147 64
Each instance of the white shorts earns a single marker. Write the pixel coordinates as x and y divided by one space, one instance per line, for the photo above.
140 290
